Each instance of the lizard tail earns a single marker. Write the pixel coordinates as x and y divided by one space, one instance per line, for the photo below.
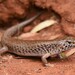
14 29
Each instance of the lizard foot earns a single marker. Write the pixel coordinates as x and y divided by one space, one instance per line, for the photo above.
49 65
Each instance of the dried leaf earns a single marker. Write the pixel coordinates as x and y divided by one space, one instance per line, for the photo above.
43 25
70 52
26 35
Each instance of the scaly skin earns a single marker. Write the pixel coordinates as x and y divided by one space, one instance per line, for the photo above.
43 48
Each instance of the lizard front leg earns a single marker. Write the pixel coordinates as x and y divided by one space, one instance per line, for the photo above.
44 60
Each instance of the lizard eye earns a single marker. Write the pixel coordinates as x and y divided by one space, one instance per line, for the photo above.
69 42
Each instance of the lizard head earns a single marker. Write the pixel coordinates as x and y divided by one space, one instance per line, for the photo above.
67 43
70 40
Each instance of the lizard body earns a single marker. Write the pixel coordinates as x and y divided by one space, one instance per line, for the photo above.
40 48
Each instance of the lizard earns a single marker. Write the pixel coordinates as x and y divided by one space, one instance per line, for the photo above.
36 48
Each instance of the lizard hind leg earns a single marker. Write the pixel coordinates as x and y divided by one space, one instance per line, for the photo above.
44 60
3 50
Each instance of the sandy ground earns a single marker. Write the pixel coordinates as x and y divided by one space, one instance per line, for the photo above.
34 66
